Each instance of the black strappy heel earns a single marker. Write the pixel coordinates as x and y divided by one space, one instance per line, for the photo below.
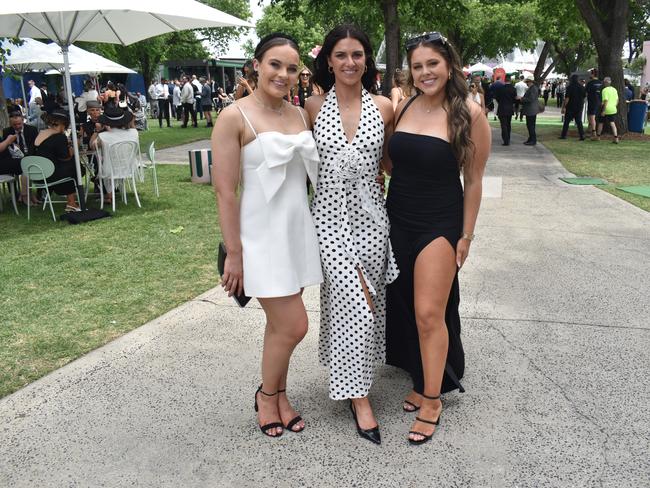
425 438
411 410
265 428
293 421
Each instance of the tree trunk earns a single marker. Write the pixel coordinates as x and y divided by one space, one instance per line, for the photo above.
539 73
392 36
607 21
4 115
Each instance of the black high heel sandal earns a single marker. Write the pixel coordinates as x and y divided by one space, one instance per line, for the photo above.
293 421
265 428
372 434
425 438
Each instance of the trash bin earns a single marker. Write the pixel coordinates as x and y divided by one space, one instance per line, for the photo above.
200 165
636 115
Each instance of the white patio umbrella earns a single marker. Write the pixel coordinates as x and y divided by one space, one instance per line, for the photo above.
31 55
121 22
84 62
480 67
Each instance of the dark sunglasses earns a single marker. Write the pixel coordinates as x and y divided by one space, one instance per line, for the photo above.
428 37
304 74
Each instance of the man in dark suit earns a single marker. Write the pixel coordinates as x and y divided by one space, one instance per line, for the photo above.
505 95
574 101
25 134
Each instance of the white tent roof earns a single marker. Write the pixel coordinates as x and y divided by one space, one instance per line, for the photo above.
121 22
480 67
84 62
31 56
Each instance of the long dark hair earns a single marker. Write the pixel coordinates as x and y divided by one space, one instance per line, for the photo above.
323 78
459 118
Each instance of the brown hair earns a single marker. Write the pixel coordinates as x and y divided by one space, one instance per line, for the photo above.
459 118
402 81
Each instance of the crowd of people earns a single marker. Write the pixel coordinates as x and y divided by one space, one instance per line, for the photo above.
388 269
102 118
186 99
522 99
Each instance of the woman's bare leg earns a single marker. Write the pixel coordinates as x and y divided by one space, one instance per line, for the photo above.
435 268
286 325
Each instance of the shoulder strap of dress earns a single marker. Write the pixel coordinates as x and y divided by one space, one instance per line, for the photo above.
246 119
302 117
401 114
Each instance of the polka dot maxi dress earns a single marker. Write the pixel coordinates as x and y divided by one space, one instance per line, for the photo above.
352 226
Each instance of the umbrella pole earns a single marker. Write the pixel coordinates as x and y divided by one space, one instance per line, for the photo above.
73 126
22 85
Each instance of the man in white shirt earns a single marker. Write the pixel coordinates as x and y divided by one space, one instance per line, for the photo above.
35 95
520 88
187 99
176 100
162 95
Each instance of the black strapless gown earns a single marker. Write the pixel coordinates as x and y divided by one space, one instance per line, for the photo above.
425 201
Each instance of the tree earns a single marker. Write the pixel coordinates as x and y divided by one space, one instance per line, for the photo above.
477 28
565 33
638 28
608 23
220 37
4 115
299 21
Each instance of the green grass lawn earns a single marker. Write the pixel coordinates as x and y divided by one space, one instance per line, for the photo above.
69 289
625 164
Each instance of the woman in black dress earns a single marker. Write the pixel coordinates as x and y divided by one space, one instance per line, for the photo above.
438 133
52 143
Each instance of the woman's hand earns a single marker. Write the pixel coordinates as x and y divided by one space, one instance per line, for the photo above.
462 251
233 274
381 180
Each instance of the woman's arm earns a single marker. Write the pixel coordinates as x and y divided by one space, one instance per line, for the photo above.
241 86
395 97
226 149
313 105
11 138
481 137
388 115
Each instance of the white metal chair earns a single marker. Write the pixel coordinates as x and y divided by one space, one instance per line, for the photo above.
9 182
121 165
37 170
151 155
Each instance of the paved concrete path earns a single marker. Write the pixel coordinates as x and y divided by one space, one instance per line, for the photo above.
556 329
178 154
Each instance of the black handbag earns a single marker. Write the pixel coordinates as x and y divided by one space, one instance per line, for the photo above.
242 299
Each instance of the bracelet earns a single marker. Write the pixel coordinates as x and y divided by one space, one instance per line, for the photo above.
469 237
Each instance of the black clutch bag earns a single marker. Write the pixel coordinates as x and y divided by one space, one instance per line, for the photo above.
242 299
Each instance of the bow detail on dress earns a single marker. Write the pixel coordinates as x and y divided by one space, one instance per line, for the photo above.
284 149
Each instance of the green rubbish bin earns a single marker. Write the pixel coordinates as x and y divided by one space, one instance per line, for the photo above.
636 115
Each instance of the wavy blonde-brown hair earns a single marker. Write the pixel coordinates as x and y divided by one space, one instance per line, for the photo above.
459 118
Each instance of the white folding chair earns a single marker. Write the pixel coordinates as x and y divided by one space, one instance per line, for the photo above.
37 169
9 182
151 154
121 165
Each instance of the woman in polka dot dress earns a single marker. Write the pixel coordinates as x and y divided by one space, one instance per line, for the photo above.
351 221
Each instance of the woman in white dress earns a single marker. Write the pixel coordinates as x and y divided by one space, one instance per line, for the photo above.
350 216
269 234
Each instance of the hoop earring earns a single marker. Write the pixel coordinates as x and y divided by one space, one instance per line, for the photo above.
330 69
450 75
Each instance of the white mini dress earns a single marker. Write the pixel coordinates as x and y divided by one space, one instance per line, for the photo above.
279 242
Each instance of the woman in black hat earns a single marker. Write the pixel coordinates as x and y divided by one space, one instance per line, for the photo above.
53 144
